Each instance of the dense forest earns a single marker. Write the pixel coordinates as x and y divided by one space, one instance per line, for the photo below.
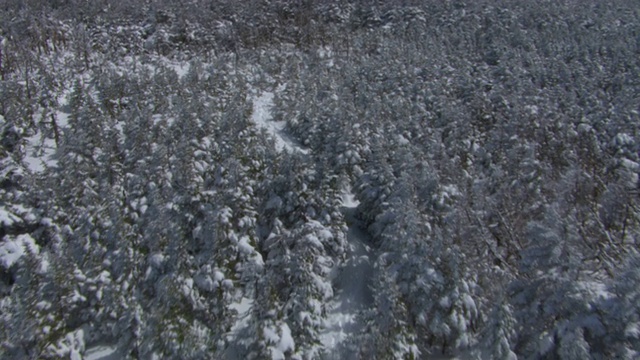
309 179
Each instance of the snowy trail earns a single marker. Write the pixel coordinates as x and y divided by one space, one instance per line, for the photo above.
262 117
352 284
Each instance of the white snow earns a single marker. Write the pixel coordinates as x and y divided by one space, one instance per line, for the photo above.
349 199
156 260
39 151
633 330
598 289
351 284
180 68
7 218
62 119
10 252
72 345
12 249
281 340
102 352
261 116
235 335
243 307
286 340
270 334
244 246
403 140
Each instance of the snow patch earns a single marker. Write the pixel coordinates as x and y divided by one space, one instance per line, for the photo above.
243 308
12 249
235 335
39 153
282 341
7 218
40 148
180 68
598 289
102 352
261 116
286 340
349 199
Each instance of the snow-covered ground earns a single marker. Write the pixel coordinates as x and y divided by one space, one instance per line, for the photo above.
261 116
352 285
102 352
41 147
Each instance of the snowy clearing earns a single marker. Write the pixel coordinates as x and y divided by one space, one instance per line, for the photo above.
261 116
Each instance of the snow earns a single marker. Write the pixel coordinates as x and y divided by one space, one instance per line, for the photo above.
62 119
205 282
313 241
274 203
243 308
39 152
469 304
286 340
12 249
598 289
7 218
181 68
281 340
244 246
632 330
349 199
351 284
10 252
156 260
40 149
402 140
545 343
270 334
72 345
261 116
25 213
102 352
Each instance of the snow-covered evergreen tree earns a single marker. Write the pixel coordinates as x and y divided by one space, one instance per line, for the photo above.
174 179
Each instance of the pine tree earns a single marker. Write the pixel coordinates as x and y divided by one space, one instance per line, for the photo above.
388 332
622 321
499 334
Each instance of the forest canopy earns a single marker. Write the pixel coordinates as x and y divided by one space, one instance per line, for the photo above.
315 179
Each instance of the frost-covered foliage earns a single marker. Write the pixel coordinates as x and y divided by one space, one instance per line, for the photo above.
172 176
